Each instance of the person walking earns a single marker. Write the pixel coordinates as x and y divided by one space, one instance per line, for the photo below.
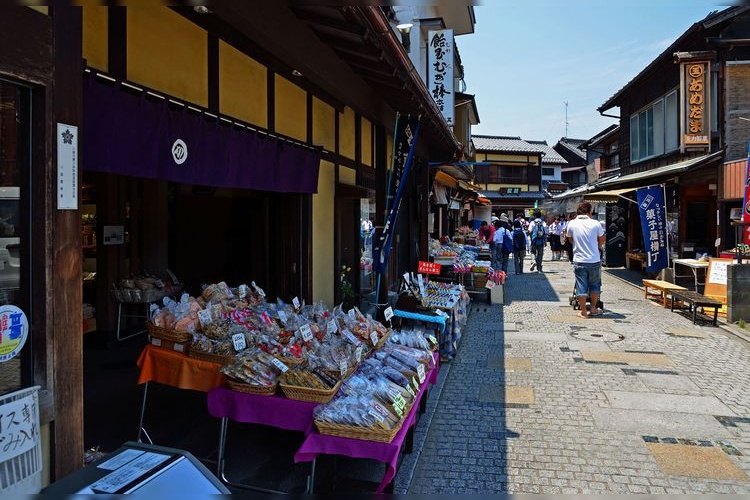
554 238
519 245
587 237
538 235
567 247
503 244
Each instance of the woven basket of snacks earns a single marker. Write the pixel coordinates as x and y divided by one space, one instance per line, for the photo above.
220 359
290 361
167 334
304 385
262 390
359 432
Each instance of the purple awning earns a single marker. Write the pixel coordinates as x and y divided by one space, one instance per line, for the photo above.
130 133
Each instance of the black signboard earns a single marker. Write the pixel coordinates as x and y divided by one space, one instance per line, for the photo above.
615 245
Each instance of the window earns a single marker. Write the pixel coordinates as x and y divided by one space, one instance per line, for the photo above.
654 129
14 224
548 171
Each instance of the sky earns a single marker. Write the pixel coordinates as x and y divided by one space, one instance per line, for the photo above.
527 58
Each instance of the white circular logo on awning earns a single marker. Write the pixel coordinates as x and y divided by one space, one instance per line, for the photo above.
179 151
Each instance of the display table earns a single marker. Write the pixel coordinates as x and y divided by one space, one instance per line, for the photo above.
694 265
317 444
663 287
631 257
175 369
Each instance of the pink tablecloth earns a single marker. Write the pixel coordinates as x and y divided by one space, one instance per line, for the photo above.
320 444
275 411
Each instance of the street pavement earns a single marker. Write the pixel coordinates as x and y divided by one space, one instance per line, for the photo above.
537 400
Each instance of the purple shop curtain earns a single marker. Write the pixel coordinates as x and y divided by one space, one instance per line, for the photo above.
132 134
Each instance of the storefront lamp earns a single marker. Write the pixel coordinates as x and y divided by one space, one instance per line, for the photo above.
201 9
405 28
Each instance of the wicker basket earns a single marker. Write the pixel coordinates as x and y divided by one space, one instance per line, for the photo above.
221 359
183 347
357 432
167 334
290 361
309 394
261 390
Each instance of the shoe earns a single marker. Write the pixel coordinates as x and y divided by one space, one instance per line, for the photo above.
533 265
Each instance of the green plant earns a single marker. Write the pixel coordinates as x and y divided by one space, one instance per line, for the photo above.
742 324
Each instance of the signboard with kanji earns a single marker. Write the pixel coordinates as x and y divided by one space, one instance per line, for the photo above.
428 267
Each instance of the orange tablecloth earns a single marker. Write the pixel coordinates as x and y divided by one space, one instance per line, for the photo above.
178 370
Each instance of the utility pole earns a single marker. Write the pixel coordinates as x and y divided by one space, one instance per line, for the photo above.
566 118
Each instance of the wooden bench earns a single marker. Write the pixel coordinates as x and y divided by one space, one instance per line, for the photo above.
634 257
663 287
694 300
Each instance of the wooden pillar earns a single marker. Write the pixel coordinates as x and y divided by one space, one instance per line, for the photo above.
65 282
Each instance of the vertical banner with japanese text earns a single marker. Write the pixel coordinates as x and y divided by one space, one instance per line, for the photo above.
746 203
440 71
405 138
696 80
654 226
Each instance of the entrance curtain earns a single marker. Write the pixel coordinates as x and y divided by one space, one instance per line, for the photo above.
130 133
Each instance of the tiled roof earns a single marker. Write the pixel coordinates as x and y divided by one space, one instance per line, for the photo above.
551 157
502 143
572 146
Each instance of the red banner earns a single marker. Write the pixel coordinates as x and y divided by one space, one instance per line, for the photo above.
428 267
746 203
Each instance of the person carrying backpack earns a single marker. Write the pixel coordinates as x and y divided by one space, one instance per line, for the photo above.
538 234
503 244
519 246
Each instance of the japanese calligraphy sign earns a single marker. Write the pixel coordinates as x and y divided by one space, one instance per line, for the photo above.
428 267
14 329
440 71
696 80
404 142
67 167
654 227
19 425
746 202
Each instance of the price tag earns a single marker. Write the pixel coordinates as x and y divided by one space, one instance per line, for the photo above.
179 347
432 339
243 291
278 364
155 341
258 290
295 302
358 353
239 342
388 313
343 366
205 318
282 316
332 326
375 414
374 338
411 391
415 383
399 410
348 335
400 401
420 372
490 284
306 332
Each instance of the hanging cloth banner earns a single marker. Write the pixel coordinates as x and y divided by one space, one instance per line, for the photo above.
405 138
654 226
746 203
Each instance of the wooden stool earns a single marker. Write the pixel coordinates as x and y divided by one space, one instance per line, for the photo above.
664 287
695 300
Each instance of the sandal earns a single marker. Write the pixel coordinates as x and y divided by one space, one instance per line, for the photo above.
596 312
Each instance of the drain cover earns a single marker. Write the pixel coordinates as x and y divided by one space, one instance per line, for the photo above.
597 336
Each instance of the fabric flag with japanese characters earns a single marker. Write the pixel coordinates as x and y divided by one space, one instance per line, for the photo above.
405 139
746 203
654 226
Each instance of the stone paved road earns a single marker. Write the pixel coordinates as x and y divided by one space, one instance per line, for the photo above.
638 400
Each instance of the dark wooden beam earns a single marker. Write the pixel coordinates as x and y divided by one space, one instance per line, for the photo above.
316 19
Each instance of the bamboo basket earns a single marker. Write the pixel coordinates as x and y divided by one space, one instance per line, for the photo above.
309 394
221 359
261 390
167 334
357 432
290 361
